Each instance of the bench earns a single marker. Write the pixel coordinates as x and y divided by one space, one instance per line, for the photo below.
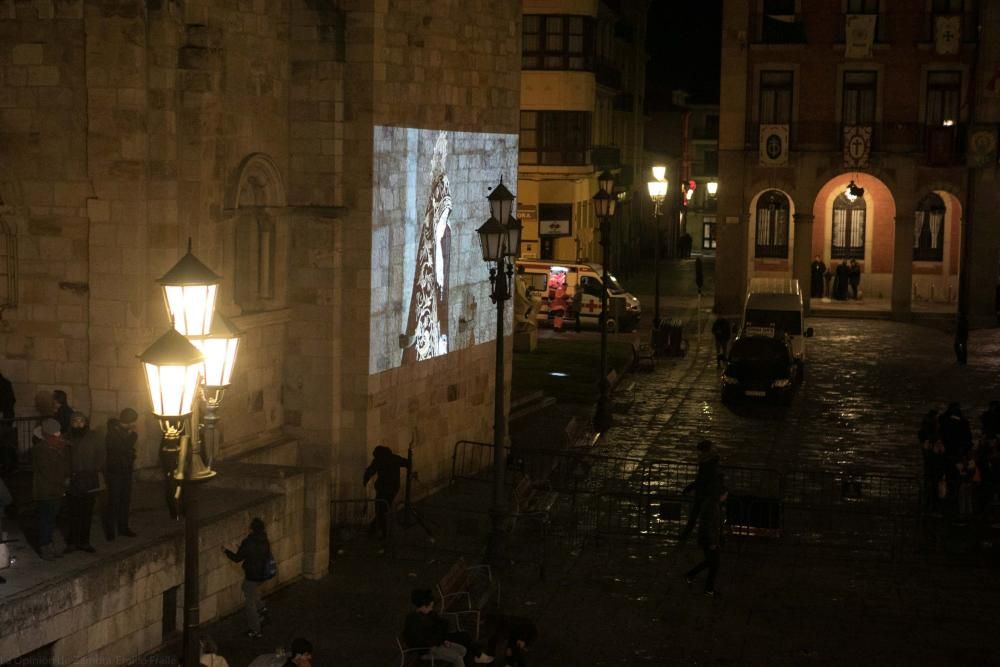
466 590
534 500
410 655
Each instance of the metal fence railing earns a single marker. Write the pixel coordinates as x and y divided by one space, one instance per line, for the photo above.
15 436
606 496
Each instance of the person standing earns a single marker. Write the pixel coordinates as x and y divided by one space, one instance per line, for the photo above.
710 541
990 420
50 470
255 556
707 484
63 412
384 468
841 280
8 430
962 339
816 272
87 458
854 277
720 331
120 445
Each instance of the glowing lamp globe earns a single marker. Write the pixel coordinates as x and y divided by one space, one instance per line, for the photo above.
219 349
501 202
713 187
658 190
189 290
513 238
492 236
659 172
172 366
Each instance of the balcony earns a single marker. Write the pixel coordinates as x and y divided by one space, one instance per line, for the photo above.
943 146
768 29
606 157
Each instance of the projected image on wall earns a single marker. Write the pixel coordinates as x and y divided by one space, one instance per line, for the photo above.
430 287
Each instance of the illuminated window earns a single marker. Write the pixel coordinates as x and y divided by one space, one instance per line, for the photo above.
708 234
848 234
556 42
772 225
928 229
555 137
944 92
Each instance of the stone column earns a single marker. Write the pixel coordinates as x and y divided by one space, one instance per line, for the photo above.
902 264
801 254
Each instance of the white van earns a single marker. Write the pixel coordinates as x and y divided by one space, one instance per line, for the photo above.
774 308
579 284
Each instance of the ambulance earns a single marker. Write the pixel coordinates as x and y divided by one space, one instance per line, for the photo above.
552 282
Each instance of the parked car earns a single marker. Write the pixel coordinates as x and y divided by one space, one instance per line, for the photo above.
760 367
775 305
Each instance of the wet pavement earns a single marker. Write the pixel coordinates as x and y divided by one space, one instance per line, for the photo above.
621 600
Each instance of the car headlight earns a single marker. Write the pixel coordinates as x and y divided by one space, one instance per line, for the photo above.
728 380
782 383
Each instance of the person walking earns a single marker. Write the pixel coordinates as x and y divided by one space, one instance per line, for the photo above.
710 541
962 339
87 457
706 484
816 272
720 331
854 277
120 446
384 468
50 470
254 554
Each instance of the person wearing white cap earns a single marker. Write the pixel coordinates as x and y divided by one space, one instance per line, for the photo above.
50 467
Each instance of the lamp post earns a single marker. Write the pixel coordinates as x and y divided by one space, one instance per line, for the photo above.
658 193
501 242
200 349
604 207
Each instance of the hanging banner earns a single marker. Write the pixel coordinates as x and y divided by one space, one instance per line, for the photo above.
860 34
857 145
773 145
947 34
982 149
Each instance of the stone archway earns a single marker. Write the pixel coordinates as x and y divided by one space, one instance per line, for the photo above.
837 231
257 182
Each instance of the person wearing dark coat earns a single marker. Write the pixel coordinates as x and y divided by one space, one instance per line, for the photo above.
962 339
854 277
710 540
8 431
956 434
63 412
384 468
254 554
87 459
990 420
120 447
424 628
50 473
840 281
707 484
720 331
816 272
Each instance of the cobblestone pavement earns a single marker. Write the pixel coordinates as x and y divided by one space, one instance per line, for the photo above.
868 383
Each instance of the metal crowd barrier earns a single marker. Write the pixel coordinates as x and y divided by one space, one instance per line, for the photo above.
15 436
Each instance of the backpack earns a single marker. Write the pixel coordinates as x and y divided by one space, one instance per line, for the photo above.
270 566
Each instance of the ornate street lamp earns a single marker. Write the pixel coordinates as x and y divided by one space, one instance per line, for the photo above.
604 208
658 193
500 242
199 350
712 187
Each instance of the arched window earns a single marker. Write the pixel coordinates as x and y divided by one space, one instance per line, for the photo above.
772 225
928 229
255 241
848 237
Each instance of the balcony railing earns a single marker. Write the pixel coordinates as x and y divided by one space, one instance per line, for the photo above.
943 146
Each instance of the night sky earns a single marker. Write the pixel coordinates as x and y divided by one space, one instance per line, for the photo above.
684 41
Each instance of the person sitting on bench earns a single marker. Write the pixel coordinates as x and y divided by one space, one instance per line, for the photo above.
425 628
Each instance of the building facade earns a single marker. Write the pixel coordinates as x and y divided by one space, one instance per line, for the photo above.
893 98
582 90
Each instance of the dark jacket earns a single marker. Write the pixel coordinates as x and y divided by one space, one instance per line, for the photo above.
254 552
424 629
63 415
50 467
120 444
710 524
721 330
87 459
385 468
708 481
7 399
